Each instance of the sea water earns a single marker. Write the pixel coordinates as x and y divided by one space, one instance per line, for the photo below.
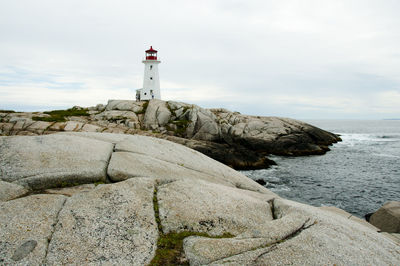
358 175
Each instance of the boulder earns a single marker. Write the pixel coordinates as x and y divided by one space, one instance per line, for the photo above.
123 105
387 218
157 114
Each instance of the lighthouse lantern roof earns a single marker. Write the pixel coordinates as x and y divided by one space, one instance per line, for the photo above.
151 50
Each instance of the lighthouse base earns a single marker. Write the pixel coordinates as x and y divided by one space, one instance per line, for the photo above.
146 94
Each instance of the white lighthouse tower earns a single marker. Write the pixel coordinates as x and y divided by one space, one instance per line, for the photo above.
151 80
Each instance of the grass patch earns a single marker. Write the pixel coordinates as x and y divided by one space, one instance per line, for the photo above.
170 246
7 111
144 108
99 183
181 126
59 115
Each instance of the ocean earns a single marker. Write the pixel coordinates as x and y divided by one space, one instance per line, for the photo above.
358 175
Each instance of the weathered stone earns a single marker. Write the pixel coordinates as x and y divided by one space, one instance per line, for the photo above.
69 191
387 218
19 125
25 228
100 107
125 165
58 126
106 137
115 115
326 239
124 105
113 224
53 160
39 126
6 128
24 250
91 128
182 156
349 216
73 126
202 251
157 114
9 191
115 130
206 127
116 224
197 205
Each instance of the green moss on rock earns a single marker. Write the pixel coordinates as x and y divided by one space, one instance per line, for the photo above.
59 115
170 246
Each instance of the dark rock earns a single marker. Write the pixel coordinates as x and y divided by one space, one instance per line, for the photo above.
368 216
23 250
261 182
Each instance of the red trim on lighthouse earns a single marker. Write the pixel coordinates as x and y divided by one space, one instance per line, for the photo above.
151 54
151 50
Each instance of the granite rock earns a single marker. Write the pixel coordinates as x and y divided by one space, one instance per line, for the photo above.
53 160
387 218
9 191
25 228
112 224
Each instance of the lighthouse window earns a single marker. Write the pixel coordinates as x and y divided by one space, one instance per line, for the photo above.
151 78
151 67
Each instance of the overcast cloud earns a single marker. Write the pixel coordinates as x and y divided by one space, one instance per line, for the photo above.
300 59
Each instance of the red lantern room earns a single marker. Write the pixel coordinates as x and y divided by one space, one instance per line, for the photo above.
151 54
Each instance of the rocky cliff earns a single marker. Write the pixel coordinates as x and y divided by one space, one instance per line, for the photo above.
98 198
240 141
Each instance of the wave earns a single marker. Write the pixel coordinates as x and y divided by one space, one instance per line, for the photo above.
354 139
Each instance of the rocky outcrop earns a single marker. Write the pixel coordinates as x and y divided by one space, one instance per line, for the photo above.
99 198
387 218
240 141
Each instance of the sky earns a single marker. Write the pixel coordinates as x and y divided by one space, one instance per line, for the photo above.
304 59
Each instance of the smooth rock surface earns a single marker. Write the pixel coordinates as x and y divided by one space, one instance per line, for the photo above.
204 207
52 161
182 156
112 224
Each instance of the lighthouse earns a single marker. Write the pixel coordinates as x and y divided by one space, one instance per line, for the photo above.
151 80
